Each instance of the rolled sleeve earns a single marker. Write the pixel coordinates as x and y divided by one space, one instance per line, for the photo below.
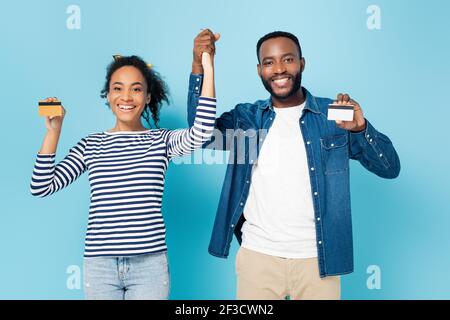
375 152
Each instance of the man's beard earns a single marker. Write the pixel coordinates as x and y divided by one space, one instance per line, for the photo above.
296 86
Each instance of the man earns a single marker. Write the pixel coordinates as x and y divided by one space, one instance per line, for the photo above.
288 200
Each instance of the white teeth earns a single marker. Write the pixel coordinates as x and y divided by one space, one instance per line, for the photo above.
281 81
126 107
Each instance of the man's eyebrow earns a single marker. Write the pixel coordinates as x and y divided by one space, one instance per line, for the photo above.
283 56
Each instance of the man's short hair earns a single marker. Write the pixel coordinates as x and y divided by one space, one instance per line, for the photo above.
278 34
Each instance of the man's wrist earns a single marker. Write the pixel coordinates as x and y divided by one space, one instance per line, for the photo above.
360 128
197 68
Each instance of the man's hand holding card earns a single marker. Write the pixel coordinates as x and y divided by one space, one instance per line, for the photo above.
347 113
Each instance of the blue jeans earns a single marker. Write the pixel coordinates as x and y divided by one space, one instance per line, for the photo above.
144 277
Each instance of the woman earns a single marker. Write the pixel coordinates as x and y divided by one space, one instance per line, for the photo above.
125 251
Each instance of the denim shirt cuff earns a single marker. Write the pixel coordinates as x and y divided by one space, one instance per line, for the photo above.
365 137
195 83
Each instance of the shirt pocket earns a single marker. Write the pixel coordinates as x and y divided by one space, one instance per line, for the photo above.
245 128
334 152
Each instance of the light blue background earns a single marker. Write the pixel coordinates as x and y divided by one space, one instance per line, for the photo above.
399 74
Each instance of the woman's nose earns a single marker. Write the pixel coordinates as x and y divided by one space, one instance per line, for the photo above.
126 96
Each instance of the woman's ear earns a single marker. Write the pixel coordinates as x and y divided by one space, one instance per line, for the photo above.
149 98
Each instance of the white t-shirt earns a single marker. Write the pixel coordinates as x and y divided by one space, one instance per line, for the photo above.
279 211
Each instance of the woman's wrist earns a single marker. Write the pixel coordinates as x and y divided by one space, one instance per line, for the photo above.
53 132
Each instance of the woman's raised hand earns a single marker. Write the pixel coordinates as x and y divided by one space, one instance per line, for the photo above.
54 123
207 62
205 41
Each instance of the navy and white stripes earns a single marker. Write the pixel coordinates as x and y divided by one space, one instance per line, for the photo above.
126 175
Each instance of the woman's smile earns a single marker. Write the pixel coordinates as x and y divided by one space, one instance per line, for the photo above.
127 108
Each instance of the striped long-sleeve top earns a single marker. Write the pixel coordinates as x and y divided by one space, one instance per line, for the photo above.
126 175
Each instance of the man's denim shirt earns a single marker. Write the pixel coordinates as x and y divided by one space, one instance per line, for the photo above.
328 150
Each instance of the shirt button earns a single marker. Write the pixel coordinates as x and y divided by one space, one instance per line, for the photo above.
381 155
309 142
315 193
232 226
242 204
247 182
198 79
196 88
320 242
260 140
318 219
270 118
312 169
332 144
368 136
303 122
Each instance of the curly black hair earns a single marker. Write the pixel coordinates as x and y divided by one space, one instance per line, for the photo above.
156 87
278 34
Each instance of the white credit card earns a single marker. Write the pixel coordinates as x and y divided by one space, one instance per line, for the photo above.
340 112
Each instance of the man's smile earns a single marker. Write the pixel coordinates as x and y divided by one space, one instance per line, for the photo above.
281 81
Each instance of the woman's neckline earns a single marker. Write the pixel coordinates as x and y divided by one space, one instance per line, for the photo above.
127 132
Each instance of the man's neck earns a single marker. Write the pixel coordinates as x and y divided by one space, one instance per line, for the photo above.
294 100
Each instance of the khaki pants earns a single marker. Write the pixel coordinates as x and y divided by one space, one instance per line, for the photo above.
265 277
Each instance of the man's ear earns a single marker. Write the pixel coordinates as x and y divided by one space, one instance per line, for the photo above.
303 64
258 69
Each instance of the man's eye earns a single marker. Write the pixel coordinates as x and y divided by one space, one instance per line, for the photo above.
268 63
137 89
289 60
116 89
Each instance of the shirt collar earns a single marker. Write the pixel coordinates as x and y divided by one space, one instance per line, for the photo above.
311 103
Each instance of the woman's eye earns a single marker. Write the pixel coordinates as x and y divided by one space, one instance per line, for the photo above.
137 89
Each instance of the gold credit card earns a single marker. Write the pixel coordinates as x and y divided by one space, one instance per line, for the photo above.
50 109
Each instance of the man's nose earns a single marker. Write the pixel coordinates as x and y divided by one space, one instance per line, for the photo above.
280 67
